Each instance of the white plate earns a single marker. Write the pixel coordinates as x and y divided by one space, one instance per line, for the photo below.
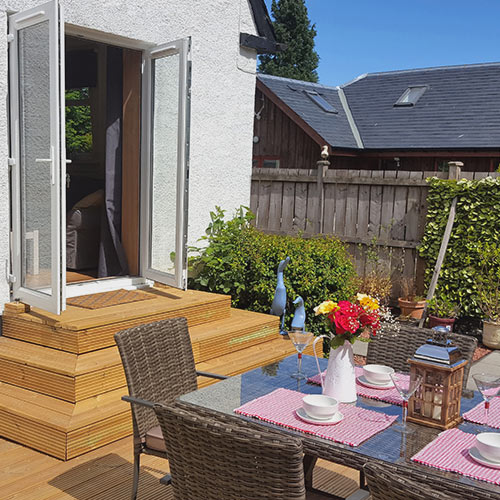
362 380
301 413
474 454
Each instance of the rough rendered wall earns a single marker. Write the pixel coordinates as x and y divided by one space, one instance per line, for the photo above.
223 83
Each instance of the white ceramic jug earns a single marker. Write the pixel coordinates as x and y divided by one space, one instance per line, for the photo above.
339 381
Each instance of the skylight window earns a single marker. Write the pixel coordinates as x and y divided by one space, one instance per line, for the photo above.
321 102
411 95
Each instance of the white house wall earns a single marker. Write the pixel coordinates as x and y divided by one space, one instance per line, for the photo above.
223 85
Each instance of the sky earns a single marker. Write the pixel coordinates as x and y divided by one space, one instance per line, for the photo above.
366 36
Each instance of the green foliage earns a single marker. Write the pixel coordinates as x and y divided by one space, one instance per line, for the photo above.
292 27
78 123
441 306
241 261
488 282
476 224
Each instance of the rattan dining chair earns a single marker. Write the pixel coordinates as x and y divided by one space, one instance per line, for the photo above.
214 456
401 482
159 367
394 349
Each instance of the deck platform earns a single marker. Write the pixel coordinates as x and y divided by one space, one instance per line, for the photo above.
61 377
106 474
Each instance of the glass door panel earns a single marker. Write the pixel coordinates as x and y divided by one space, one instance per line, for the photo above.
37 145
164 163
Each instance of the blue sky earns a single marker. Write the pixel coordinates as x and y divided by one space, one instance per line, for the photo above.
366 36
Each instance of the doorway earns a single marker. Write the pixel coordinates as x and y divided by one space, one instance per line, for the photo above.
125 109
102 97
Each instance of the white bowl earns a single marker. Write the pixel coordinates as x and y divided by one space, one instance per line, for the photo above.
378 374
488 444
320 406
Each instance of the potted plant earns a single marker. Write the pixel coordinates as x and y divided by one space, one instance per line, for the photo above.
442 312
488 287
411 304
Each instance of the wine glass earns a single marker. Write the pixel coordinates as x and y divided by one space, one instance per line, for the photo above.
489 387
300 340
406 387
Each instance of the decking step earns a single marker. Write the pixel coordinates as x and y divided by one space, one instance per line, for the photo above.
80 330
248 359
74 377
241 330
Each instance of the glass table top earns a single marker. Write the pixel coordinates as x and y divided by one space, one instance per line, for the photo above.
388 445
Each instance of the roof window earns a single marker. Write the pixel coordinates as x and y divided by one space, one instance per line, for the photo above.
411 95
321 102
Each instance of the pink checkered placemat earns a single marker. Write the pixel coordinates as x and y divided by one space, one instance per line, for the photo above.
477 415
278 407
391 396
450 451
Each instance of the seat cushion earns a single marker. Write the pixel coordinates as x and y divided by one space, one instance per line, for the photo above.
154 439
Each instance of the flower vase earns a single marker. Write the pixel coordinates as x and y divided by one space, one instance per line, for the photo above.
339 381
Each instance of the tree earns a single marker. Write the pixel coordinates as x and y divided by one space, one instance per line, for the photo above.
292 27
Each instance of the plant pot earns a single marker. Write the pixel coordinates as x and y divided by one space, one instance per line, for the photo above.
446 322
491 335
410 308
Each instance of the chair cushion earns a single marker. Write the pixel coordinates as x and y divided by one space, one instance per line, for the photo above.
154 439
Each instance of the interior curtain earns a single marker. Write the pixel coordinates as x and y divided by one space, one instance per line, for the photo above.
112 258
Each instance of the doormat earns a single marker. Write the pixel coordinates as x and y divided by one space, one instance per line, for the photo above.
108 299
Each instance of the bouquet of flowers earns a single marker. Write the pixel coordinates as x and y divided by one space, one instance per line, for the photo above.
349 319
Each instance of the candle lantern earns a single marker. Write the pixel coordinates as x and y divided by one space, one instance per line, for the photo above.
436 402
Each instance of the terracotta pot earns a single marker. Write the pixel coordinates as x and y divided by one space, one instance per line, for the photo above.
411 308
491 335
447 322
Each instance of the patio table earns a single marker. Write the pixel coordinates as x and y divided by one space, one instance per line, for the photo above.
386 446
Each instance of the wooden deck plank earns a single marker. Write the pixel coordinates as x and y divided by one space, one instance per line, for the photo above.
106 474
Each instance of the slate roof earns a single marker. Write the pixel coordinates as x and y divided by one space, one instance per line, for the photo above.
460 109
334 128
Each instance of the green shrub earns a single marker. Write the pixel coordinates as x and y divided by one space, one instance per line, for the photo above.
477 224
241 261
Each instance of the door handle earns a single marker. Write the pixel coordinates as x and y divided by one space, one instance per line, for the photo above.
52 166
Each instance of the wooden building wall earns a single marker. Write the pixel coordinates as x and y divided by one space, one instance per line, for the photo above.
281 138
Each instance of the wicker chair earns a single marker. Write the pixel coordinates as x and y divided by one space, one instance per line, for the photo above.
400 482
159 367
395 349
219 457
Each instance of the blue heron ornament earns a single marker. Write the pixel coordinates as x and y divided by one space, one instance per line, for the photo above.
278 307
299 317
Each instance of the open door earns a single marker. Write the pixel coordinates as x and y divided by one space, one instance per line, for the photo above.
36 86
165 150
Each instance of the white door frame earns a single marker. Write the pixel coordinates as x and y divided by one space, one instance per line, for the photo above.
55 301
177 279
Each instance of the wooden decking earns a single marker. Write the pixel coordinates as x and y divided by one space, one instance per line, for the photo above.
61 377
106 474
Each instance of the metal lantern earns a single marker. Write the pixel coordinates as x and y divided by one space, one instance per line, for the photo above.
436 402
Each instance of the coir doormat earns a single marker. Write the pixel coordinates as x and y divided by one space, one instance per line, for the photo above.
108 299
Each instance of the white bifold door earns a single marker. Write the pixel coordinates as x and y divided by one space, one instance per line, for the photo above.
165 153
36 88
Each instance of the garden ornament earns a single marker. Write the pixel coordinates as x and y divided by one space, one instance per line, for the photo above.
299 317
278 307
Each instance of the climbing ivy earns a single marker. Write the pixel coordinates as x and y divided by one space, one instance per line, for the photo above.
477 223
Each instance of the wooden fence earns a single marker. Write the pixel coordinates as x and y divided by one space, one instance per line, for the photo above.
380 215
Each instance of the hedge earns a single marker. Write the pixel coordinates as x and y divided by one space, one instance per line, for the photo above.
477 223
241 261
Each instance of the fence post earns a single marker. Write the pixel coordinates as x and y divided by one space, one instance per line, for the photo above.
322 165
454 169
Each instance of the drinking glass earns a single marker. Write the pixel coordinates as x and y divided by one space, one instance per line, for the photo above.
489 387
406 387
300 340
